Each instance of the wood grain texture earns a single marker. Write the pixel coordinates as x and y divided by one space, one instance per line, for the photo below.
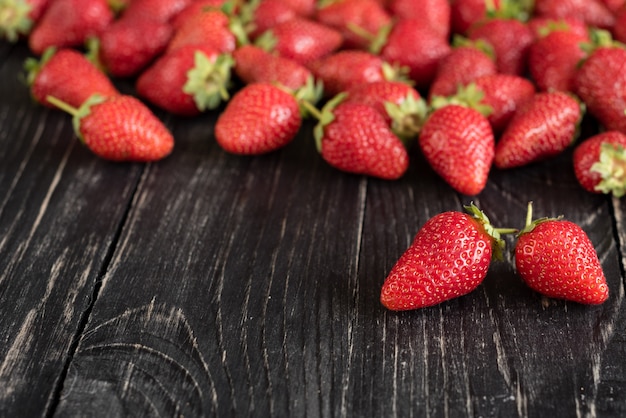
210 284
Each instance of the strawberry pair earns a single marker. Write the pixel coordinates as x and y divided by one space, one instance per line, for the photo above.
451 254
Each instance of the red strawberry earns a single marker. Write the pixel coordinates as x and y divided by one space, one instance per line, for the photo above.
554 58
592 12
504 94
119 128
187 81
545 127
211 27
305 8
465 62
465 13
255 65
449 257
160 10
510 39
613 5
266 14
355 138
302 40
435 14
541 25
67 75
600 163
619 28
17 17
345 15
557 259
418 48
194 8
601 84
458 143
124 49
258 119
69 23
343 69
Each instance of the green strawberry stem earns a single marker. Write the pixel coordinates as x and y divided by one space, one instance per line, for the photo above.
469 96
407 117
323 116
77 113
208 80
33 66
612 168
495 233
14 20
530 223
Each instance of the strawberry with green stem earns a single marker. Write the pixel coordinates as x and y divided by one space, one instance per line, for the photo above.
449 257
355 138
119 128
556 258
600 163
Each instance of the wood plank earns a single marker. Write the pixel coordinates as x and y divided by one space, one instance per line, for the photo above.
60 211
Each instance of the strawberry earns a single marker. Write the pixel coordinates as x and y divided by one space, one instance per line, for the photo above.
601 84
449 257
343 69
504 94
467 61
553 59
395 101
541 25
17 17
258 119
345 15
418 48
187 81
264 15
458 143
619 28
466 13
119 128
600 163
300 39
304 8
510 39
67 75
194 8
613 5
556 258
255 65
159 10
355 138
592 12
435 14
123 48
69 23
211 27
543 128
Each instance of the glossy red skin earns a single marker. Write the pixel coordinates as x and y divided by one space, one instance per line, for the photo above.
448 258
344 69
70 77
377 93
554 59
458 143
435 14
125 49
510 39
268 14
587 153
160 10
305 40
162 83
504 93
255 65
209 28
466 13
123 129
558 260
592 12
69 23
544 128
359 141
419 48
192 9
601 85
368 15
258 119
461 66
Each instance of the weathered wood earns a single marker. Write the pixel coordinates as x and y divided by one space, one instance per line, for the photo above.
213 284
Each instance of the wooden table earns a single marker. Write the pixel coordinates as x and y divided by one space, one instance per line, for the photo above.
212 284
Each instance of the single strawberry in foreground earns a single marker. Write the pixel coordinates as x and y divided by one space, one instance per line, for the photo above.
355 138
119 128
543 128
259 118
449 257
67 75
556 258
600 163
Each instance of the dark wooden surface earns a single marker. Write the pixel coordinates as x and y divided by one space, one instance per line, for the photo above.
209 284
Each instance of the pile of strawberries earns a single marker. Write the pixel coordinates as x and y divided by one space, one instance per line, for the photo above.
474 84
